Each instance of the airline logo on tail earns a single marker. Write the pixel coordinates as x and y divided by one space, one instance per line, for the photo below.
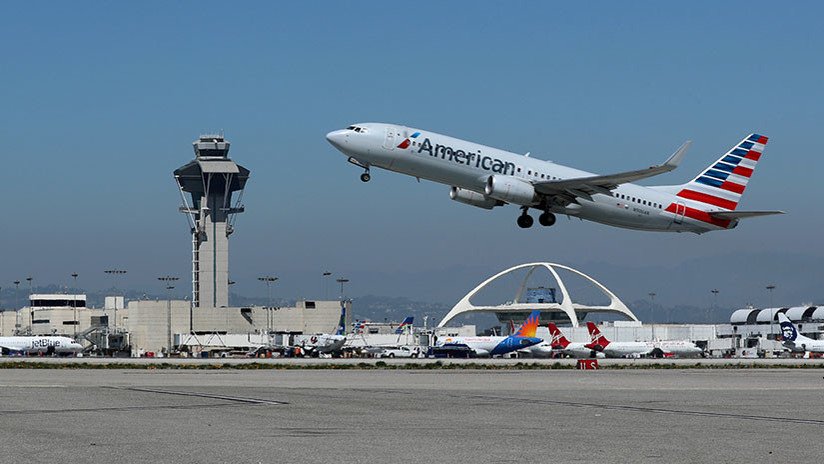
406 141
788 331
597 341
530 326
558 338
406 323
722 184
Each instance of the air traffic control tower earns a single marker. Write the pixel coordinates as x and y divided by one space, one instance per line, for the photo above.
211 179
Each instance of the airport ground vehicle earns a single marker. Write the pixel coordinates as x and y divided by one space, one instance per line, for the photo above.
399 352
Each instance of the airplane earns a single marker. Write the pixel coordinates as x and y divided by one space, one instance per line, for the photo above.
497 346
638 349
488 177
794 341
560 344
43 344
403 325
329 343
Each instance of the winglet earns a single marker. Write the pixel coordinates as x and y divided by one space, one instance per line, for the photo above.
676 157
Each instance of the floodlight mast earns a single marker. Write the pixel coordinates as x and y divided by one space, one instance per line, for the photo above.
211 179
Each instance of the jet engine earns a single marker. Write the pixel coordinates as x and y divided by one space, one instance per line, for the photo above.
510 190
473 198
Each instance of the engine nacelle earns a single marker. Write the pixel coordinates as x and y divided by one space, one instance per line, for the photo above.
510 190
473 198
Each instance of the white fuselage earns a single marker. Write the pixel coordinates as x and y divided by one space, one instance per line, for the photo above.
803 344
636 349
493 346
44 344
467 165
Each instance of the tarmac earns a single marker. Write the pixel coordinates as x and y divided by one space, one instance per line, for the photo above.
416 415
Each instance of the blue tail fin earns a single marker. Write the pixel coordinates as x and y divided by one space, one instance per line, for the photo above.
342 322
406 323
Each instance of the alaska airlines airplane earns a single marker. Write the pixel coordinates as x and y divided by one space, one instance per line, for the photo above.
637 349
794 341
496 346
487 177
44 344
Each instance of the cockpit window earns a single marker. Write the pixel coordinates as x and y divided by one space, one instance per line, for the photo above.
356 128
350 128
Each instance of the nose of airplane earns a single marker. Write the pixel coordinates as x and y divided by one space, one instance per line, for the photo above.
337 138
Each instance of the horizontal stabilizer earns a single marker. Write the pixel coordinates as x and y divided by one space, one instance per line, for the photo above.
741 214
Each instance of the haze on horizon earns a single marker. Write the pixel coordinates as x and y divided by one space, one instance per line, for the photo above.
102 102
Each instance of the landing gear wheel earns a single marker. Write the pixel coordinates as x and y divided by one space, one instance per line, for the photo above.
525 221
365 177
546 219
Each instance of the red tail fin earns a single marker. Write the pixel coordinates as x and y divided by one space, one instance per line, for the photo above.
558 338
595 336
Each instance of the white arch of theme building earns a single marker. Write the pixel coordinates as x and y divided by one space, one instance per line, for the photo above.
566 306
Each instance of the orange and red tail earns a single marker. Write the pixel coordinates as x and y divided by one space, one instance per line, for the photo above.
530 327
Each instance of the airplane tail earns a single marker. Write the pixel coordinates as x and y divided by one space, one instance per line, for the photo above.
530 326
558 338
789 333
403 325
722 183
341 330
596 338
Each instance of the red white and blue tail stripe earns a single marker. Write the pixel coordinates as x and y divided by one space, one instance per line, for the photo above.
723 183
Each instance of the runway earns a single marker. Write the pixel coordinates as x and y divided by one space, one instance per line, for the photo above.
348 416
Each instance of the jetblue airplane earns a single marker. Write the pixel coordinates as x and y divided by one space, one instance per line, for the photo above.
794 341
496 346
487 177
45 344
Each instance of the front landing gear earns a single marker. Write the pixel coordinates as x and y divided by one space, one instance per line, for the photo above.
365 177
525 220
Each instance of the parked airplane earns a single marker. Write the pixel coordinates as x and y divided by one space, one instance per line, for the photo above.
794 341
44 344
403 325
637 349
487 177
329 343
575 350
496 346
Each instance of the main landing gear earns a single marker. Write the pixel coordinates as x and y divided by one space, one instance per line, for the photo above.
525 221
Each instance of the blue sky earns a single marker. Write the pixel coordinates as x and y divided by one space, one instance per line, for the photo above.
101 102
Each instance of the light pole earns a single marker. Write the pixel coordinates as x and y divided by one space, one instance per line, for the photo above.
269 281
341 282
30 280
770 288
17 311
326 275
74 302
714 302
169 281
115 273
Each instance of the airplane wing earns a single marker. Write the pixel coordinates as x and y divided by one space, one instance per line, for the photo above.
585 187
741 214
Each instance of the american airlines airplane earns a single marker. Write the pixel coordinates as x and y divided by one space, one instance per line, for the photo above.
637 349
44 344
794 341
487 177
496 346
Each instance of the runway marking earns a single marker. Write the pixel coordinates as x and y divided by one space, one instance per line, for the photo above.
236 399
792 420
